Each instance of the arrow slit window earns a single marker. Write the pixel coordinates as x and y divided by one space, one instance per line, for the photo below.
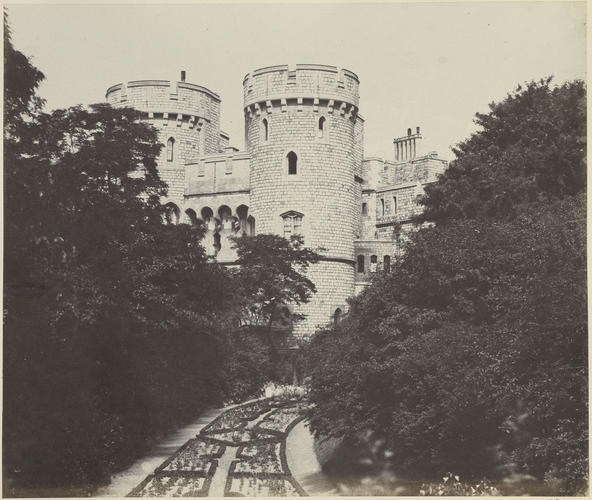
170 148
292 163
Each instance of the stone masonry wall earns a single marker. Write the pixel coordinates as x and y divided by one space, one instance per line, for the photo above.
324 189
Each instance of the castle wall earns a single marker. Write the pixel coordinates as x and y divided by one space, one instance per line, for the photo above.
324 190
215 182
341 203
221 173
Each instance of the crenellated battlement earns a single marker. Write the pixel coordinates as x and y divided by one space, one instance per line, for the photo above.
312 84
165 96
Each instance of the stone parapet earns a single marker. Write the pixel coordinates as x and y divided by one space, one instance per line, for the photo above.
273 84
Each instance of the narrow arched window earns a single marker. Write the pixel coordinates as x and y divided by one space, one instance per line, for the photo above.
265 129
192 216
337 316
292 163
360 263
382 207
171 213
364 209
394 204
321 130
387 264
373 263
170 149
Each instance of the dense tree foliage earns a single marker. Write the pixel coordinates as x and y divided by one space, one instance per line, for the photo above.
270 273
471 354
530 147
116 328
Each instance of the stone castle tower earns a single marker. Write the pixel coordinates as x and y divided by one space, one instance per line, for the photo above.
187 117
303 135
303 171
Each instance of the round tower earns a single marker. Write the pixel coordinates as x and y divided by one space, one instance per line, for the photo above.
187 117
304 137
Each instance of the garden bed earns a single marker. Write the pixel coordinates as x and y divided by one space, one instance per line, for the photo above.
259 429
259 457
196 456
281 420
255 486
238 417
179 484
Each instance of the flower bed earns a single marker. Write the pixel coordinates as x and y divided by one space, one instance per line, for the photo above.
237 418
261 487
172 485
235 437
281 420
261 457
196 455
259 429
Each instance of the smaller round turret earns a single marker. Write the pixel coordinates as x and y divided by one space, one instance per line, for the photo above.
187 117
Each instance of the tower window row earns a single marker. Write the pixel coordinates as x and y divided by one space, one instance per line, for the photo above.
321 129
361 263
394 209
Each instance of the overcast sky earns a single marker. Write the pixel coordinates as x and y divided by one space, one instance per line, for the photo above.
427 64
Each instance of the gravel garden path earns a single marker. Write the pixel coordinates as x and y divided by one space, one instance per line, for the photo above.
242 452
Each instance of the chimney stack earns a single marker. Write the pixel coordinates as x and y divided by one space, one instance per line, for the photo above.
183 76
407 148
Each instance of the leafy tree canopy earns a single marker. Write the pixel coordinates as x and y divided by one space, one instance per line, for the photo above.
531 146
470 355
271 272
113 331
478 330
21 80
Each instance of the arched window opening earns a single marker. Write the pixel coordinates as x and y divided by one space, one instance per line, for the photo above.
337 316
292 223
361 263
224 212
171 213
251 221
265 129
206 214
292 163
170 149
382 207
242 212
192 216
387 264
364 208
373 263
418 199
321 130
394 204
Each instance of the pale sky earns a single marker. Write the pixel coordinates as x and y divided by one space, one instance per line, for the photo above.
432 65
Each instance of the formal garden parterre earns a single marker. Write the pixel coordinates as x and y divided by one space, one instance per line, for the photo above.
256 432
